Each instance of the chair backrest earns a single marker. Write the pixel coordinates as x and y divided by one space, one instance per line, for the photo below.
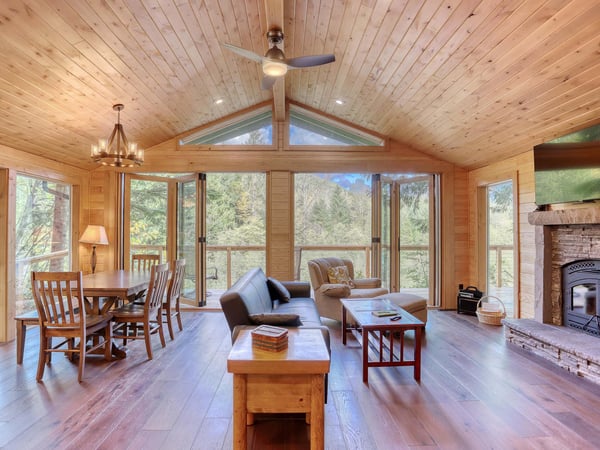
159 278
176 283
317 269
58 298
144 262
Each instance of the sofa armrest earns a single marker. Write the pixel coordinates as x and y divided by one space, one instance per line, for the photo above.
366 283
297 288
335 290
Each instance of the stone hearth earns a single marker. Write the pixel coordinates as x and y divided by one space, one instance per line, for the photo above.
561 236
577 352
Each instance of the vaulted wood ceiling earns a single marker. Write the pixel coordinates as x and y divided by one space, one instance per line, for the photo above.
468 81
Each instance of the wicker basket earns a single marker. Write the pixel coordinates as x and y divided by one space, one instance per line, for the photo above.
491 317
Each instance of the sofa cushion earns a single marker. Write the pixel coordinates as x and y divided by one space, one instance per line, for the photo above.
277 319
277 290
305 308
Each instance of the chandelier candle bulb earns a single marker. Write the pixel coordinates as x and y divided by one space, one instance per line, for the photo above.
133 149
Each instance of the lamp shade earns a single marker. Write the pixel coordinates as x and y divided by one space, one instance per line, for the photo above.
94 234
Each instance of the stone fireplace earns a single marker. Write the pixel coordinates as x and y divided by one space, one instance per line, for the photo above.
562 239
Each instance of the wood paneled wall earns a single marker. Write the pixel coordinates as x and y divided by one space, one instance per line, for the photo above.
520 168
280 225
101 209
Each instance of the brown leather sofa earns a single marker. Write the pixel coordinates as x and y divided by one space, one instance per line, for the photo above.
254 298
328 295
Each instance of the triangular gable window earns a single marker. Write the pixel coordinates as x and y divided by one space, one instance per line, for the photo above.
311 129
255 129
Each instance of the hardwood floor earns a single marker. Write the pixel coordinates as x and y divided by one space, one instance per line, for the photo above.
475 392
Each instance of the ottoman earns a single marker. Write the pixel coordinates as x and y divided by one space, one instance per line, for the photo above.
415 305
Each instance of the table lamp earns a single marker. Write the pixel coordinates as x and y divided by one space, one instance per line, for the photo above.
95 235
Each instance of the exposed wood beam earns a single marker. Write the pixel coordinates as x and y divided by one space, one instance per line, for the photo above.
274 13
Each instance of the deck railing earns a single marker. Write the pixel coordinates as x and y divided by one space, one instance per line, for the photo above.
24 267
360 255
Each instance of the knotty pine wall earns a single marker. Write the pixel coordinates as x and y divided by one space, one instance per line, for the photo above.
519 168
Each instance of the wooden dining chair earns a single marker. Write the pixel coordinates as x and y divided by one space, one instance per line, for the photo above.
144 262
171 303
140 321
60 305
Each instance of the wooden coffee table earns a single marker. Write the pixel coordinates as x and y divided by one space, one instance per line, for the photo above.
289 381
379 336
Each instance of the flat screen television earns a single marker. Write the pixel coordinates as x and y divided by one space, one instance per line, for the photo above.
567 169
566 173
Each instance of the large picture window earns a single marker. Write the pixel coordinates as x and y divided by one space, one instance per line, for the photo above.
43 240
333 218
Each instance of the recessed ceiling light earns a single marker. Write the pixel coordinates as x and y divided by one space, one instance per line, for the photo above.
339 101
218 101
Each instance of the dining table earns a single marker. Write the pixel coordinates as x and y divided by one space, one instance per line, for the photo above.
102 290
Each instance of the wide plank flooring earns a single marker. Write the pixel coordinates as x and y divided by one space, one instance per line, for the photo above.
475 393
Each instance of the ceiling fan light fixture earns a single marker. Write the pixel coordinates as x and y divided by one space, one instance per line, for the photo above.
274 68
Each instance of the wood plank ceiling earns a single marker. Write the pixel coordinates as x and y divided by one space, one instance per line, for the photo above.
468 81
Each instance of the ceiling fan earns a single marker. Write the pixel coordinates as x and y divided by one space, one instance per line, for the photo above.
274 63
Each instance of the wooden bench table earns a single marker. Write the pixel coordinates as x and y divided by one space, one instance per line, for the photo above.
23 321
289 381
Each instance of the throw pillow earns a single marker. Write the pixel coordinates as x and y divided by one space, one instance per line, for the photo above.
282 320
339 275
278 291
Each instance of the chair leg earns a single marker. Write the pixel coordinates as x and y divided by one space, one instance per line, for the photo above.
178 312
42 357
170 323
147 339
21 333
160 328
82 352
71 346
49 354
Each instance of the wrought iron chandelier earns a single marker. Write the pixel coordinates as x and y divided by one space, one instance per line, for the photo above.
117 151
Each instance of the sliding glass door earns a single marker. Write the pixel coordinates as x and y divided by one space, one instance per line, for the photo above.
189 236
408 234
500 244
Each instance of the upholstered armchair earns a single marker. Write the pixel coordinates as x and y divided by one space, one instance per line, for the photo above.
333 279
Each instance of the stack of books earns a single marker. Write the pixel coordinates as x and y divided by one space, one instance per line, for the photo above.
270 338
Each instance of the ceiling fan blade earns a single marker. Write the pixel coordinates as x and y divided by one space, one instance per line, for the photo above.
243 52
267 82
309 61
